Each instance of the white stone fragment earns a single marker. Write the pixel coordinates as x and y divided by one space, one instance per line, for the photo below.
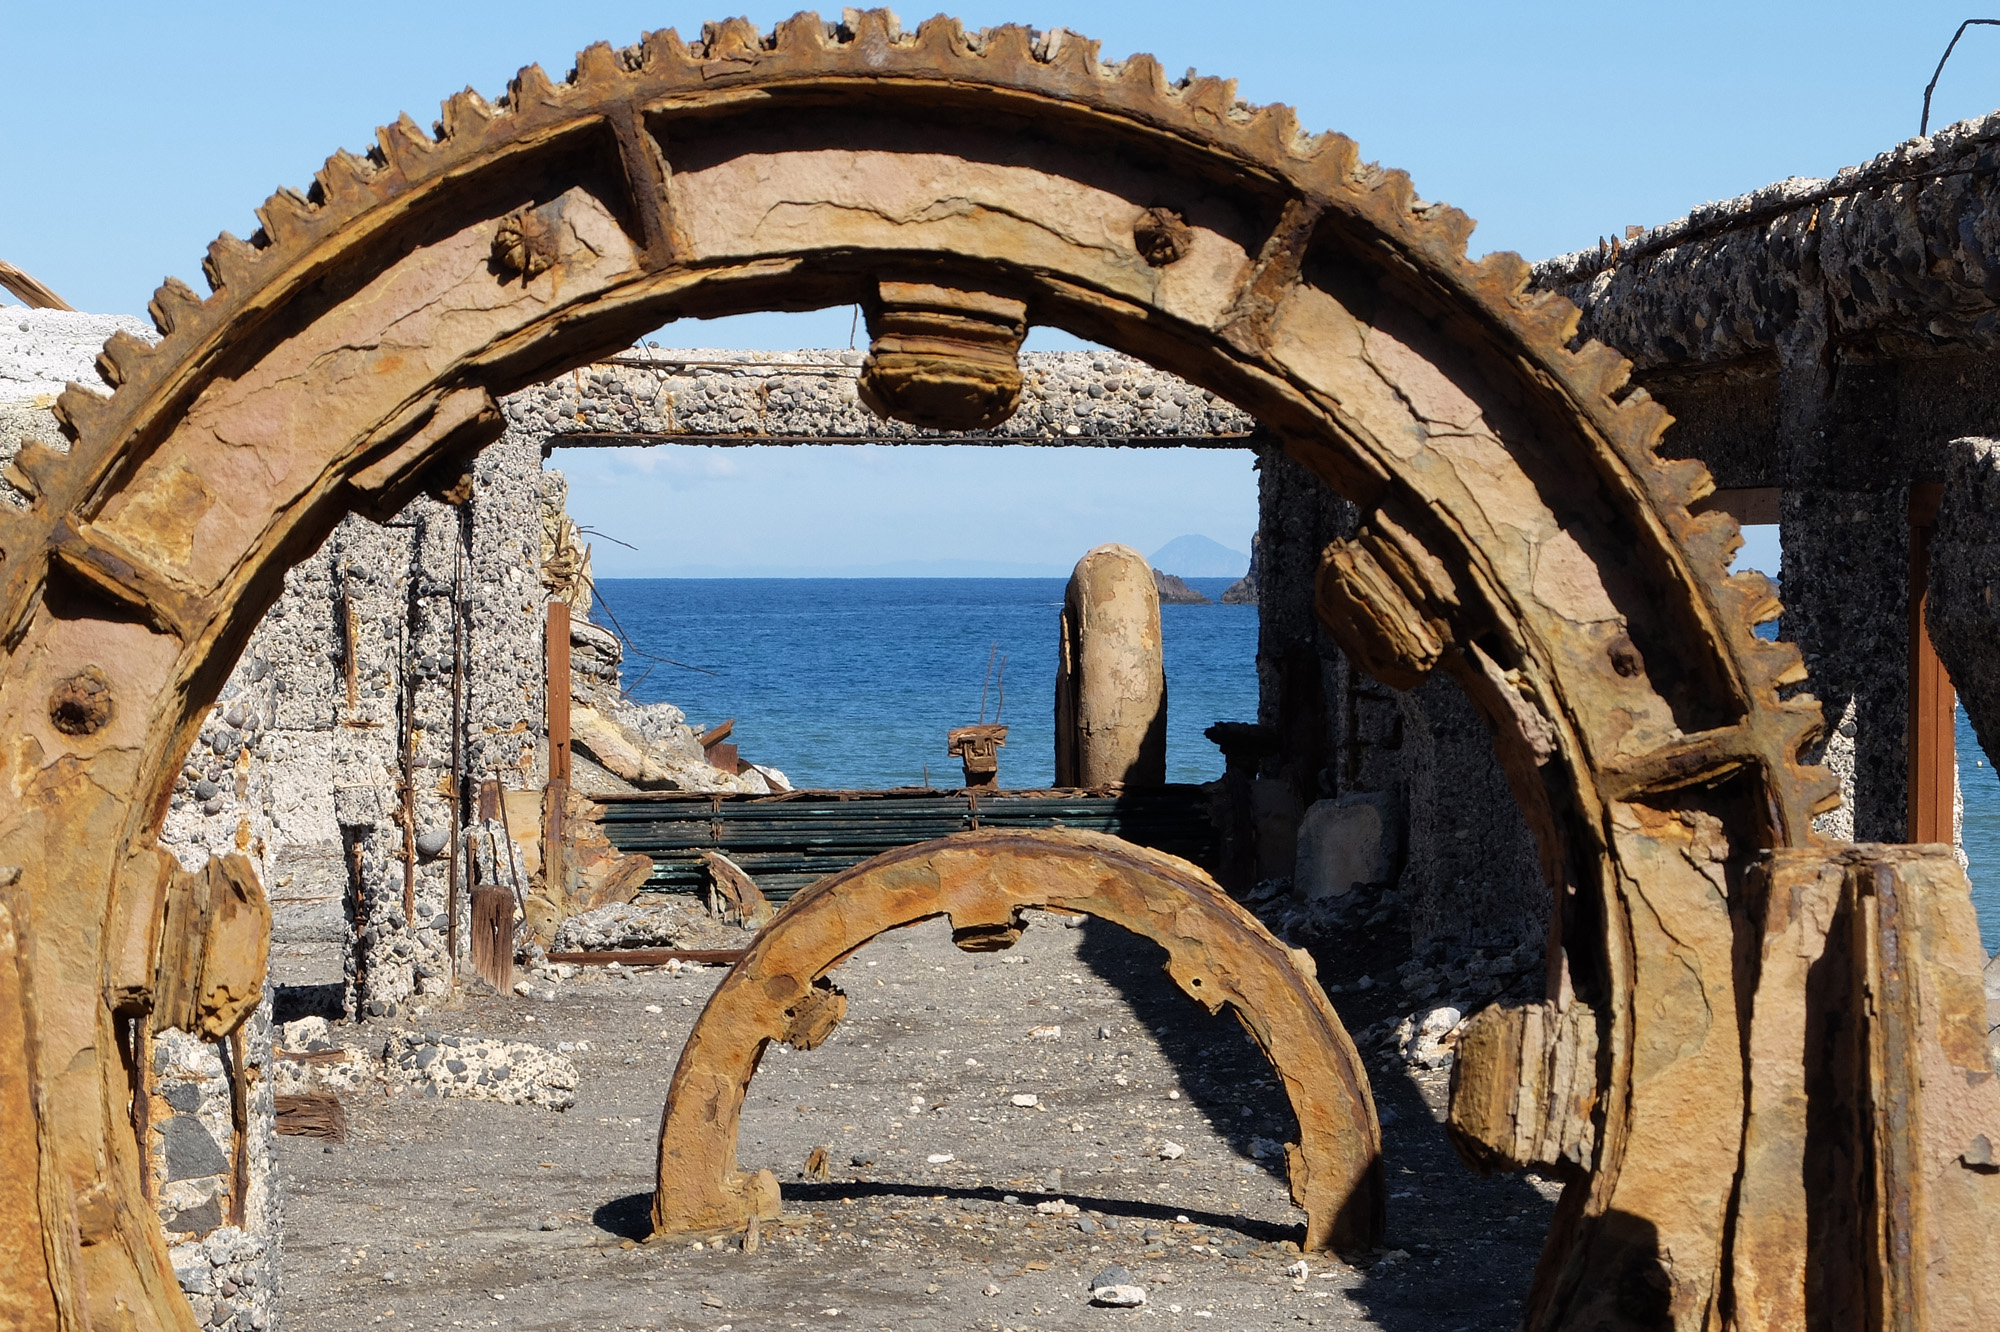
1119 1297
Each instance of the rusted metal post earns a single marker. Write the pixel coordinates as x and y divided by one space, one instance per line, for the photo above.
555 794
1933 757
493 935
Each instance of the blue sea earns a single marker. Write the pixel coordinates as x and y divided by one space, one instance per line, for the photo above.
853 682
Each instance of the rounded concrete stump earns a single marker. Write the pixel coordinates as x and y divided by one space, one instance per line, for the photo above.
1111 681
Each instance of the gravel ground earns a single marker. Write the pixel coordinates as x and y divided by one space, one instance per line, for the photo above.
451 1213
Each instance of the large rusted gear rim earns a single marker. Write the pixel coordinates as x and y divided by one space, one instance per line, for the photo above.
1216 952
1535 546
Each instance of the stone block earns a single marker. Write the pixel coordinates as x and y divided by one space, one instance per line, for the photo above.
190 1149
1347 842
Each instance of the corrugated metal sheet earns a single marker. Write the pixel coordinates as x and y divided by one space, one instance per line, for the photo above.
786 842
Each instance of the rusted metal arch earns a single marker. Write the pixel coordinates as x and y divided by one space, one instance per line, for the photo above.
1521 533
1217 952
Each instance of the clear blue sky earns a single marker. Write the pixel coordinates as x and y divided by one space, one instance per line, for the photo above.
130 134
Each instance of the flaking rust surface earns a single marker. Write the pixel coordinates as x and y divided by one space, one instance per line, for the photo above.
982 881
1595 617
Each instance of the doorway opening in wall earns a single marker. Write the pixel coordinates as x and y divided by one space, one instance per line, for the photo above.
847 603
1978 814
850 605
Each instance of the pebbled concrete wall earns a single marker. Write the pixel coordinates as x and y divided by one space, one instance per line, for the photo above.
1462 858
1832 338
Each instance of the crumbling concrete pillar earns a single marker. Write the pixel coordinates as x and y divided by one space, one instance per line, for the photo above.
393 748
1846 571
371 576
1111 682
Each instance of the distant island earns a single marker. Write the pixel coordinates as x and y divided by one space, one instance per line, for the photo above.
1175 592
1195 556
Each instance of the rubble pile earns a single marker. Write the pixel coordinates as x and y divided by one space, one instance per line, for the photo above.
634 925
433 1064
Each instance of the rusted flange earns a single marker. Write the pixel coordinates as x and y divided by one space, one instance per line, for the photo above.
1216 952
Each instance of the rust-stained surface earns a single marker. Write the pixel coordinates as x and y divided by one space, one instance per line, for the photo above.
1522 534
977 749
942 359
1217 953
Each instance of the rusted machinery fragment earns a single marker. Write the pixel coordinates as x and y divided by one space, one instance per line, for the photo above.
190 947
1216 952
941 358
1867 1177
977 749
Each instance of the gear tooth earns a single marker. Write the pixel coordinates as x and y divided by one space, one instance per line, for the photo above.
1141 74
1642 422
1395 184
1682 481
286 216
1548 318
1600 369
1756 596
343 177
1008 44
37 469
122 355
80 410
404 145
1782 663
464 113
1068 51
667 55
228 263
1451 225
1206 94
597 67
173 303
1505 273
942 36
1329 159
1275 129
1710 540
804 34
530 87
868 25
735 39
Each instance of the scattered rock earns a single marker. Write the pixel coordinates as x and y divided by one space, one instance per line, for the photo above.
1026 1100
1119 1297
1057 1207
1172 1151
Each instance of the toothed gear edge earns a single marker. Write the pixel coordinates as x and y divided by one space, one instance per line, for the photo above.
256 273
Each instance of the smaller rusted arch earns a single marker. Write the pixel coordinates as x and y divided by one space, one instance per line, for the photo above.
1216 952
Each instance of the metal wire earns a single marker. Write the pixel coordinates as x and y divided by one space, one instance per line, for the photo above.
1924 126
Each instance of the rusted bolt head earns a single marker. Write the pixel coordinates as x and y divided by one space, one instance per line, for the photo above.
1625 658
525 245
81 705
1161 236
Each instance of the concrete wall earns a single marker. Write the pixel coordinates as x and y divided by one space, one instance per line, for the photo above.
1458 851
